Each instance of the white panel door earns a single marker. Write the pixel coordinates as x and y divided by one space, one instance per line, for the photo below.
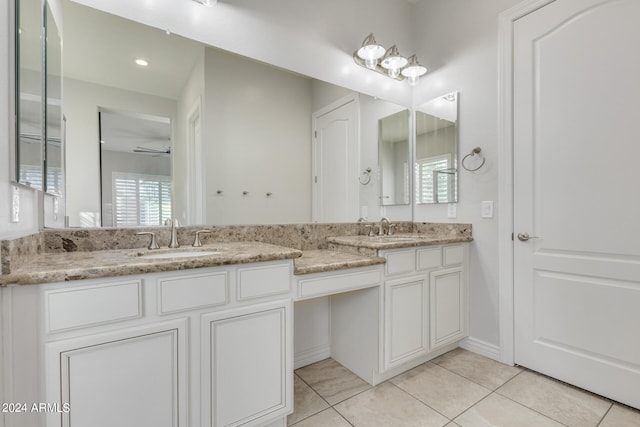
247 369
335 163
448 307
131 378
405 327
576 154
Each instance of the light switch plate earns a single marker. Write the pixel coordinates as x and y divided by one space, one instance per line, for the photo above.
487 209
452 210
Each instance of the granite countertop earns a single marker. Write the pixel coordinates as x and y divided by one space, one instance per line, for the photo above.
32 265
67 266
396 240
317 261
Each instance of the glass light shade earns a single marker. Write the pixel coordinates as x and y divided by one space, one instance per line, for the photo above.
370 51
393 61
414 70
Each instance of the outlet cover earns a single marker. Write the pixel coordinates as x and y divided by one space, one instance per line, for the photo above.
487 209
15 203
452 210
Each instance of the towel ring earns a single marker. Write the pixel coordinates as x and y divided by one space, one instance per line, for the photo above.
367 176
473 153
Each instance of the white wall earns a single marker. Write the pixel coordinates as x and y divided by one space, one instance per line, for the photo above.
192 95
82 101
257 137
458 41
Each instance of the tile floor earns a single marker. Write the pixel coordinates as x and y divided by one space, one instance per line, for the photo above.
459 388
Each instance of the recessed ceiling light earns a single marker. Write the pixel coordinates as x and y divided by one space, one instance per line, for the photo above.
141 62
208 3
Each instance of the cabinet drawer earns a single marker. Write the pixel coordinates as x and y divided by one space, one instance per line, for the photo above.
334 284
92 305
192 291
263 281
429 258
400 262
453 255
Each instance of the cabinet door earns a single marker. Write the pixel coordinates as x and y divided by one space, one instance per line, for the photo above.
448 306
134 377
405 325
247 369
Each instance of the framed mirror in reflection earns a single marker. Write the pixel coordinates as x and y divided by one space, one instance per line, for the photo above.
394 159
135 170
29 84
54 148
436 151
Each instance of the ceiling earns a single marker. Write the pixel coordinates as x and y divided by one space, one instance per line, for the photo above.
102 48
129 132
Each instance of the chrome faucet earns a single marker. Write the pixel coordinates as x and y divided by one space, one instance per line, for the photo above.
383 220
174 223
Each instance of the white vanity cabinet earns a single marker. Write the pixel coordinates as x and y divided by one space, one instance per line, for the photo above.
203 347
424 304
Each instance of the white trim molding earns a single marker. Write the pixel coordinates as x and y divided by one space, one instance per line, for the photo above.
483 348
505 175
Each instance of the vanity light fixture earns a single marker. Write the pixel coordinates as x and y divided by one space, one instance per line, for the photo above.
389 62
141 62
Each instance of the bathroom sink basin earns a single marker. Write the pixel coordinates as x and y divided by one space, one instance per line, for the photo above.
178 253
396 238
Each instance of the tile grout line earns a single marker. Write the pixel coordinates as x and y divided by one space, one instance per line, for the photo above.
522 404
419 400
327 402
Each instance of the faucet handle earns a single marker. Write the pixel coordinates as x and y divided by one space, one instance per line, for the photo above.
153 244
391 227
196 242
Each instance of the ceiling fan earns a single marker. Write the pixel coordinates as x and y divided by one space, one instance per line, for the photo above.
164 151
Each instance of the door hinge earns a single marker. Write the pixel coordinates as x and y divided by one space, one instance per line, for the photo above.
315 133
315 179
511 236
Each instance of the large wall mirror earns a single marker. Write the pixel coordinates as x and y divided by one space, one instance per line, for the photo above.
235 141
436 154
54 147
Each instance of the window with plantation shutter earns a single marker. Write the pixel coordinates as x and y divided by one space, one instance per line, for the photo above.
140 200
435 179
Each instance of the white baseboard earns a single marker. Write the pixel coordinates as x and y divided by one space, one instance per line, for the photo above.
312 355
483 348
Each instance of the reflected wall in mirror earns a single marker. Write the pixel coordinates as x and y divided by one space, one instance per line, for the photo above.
436 173
394 159
29 85
240 129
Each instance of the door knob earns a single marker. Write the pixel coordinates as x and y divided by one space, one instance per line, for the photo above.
523 237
